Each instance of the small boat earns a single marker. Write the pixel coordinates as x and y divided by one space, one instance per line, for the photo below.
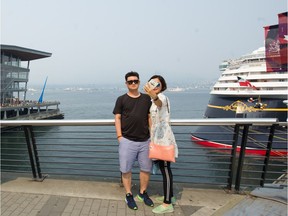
176 89
252 86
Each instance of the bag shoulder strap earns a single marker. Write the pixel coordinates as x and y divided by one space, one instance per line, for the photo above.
167 104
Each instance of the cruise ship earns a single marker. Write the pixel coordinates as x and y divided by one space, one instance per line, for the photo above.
252 86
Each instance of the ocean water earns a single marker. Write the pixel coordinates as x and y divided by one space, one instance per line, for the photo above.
98 103
88 102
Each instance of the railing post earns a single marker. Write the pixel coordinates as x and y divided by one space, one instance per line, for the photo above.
33 153
233 157
29 147
241 157
267 156
121 180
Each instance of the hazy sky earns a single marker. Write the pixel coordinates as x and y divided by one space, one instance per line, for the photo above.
94 41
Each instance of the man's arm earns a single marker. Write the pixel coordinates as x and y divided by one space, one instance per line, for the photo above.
149 122
118 125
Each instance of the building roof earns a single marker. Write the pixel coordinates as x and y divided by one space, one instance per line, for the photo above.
25 54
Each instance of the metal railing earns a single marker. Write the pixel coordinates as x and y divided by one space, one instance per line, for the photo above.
89 149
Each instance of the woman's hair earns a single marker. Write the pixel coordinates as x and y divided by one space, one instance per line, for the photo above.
162 80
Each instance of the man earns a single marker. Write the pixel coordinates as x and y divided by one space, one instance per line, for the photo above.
132 127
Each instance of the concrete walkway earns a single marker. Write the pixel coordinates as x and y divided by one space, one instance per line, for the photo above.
61 197
23 196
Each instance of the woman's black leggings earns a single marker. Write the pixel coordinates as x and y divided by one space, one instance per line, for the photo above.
167 180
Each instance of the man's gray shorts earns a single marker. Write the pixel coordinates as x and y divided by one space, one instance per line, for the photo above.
131 151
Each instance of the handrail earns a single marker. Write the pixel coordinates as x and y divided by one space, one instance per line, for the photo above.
174 122
59 154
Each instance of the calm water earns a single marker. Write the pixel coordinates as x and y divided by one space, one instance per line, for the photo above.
98 103
93 103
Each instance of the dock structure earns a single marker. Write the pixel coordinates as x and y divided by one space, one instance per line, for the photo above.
15 62
31 110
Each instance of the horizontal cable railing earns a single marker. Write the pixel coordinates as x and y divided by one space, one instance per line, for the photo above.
174 122
89 149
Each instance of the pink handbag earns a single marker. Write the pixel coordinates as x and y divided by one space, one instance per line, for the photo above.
160 152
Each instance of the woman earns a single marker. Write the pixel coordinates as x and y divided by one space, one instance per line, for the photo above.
161 133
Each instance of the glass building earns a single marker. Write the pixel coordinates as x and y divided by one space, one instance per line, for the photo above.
15 70
15 62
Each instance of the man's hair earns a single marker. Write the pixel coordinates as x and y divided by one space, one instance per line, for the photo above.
131 73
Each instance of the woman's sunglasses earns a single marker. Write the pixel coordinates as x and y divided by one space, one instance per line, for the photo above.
158 85
130 82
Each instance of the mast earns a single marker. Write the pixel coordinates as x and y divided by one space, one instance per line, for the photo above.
42 93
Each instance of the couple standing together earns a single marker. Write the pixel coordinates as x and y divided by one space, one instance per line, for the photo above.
139 118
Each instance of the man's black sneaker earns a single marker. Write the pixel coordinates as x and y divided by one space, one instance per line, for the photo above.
130 201
144 197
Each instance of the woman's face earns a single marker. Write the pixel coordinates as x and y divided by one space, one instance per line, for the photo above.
158 88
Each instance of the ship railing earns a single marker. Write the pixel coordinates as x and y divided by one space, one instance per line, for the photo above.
88 149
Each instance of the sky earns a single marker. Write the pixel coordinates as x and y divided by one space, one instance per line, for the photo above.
98 42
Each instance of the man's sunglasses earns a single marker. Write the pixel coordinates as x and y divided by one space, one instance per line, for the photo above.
130 82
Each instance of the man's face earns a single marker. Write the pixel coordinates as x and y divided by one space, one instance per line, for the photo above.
132 82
